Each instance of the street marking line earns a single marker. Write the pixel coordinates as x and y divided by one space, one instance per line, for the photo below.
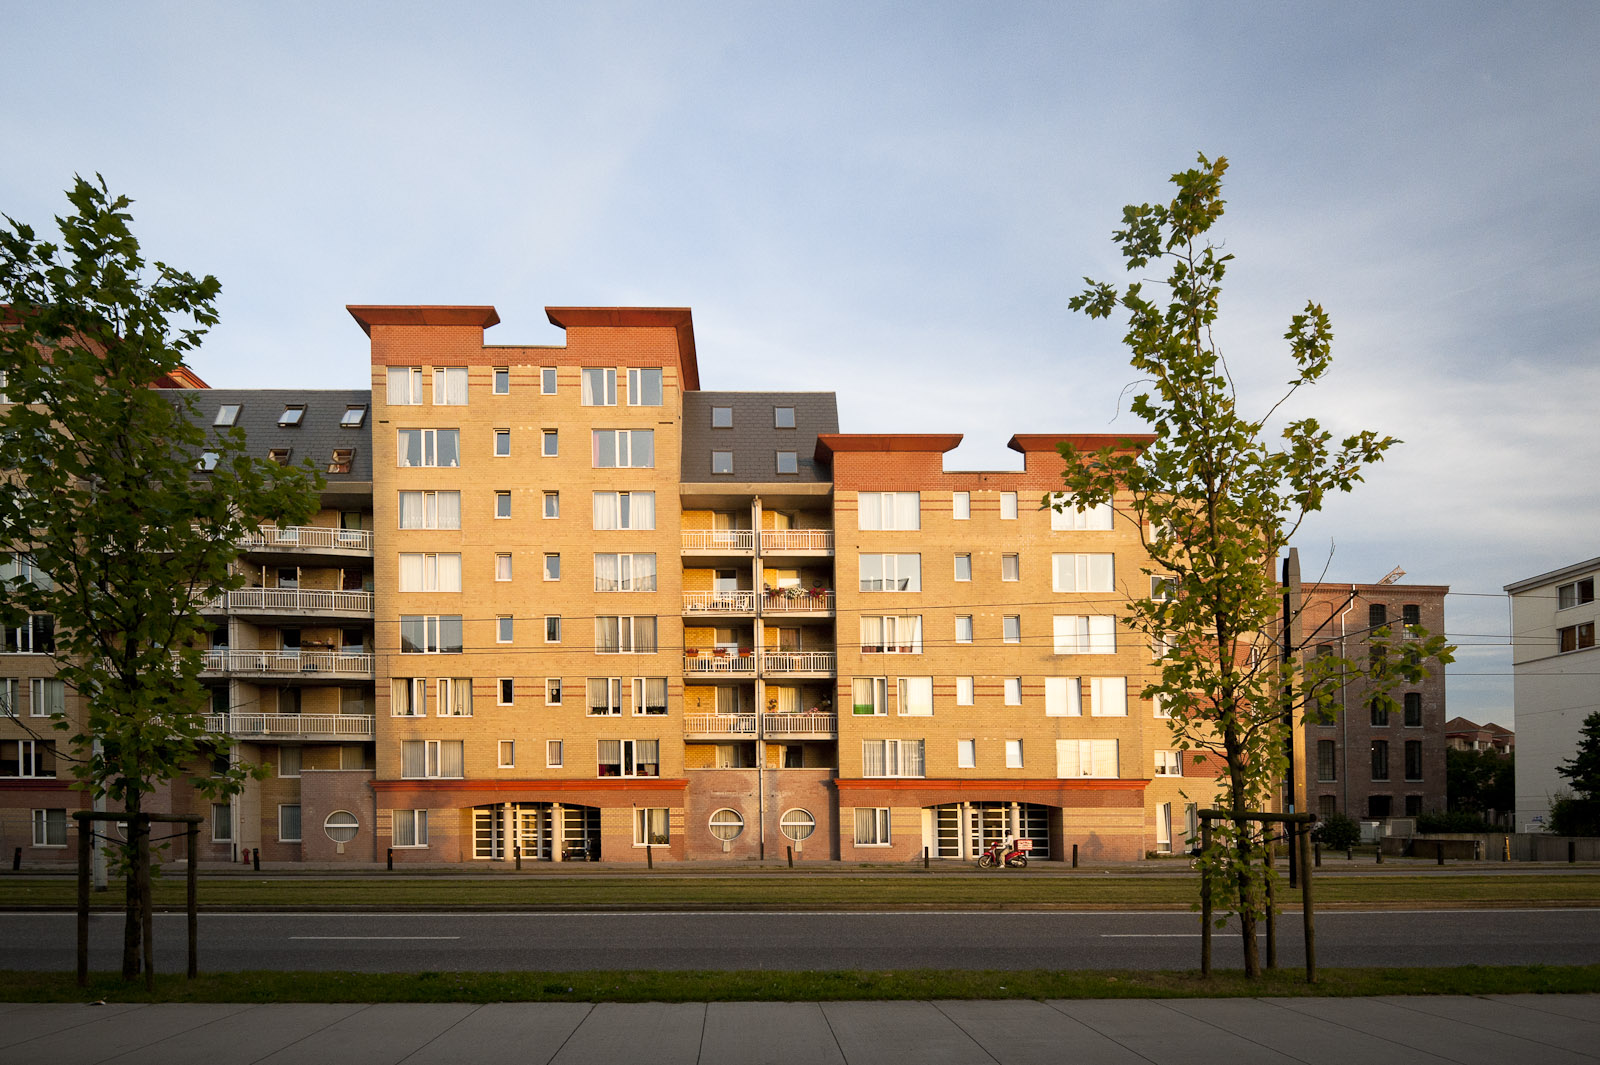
375 937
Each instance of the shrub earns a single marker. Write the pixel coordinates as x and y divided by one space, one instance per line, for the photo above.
1454 821
1337 832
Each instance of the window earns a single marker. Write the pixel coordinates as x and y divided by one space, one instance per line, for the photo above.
891 758
916 696
888 510
428 447
28 758
552 691
432 573
726 824
502 504
625 635
1013 687
1086 758
552 504
722 417
1413 759
506 691
504 629
36 636
891 634
50 828
797 824
1008 506
502 381
552 628
549 443
872 826
964 567
629 758
228 414
1010 568
405 386
1162 589
1011 628
293 414
1108 696
1169 764
430 510
599 387
502 567
966 754
1084 573
1411 615
455 697
355 415
341 826
1576 637
552 566
964 628
1413 705
605 696
891 573
961 506
1066 517
508 754
409 697
783 417
964 691
431 634
1327 760
1380 713
1077 634
8 698
624 448
1159 707
788 462
1380 759
722 462
410 828
644 386
502 442
424 759
553 754
1379 806
1377 616
623 510
547 380
624 573
208 461
289 823
450 386
46 697
869 696
221 822
342 459
650 827
1567 595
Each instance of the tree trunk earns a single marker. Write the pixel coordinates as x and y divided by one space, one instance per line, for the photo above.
138 854
1247 905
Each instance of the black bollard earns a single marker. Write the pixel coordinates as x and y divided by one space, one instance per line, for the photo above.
1074 855
391 859
1316 850
1438 850
791 856
649 857
1380 854
16 859
255 860
1572 851
1349 854
516 852
924 857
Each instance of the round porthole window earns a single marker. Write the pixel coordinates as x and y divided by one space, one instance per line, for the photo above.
341 826
727 824
797 824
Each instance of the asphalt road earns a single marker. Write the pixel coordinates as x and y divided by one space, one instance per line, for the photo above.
373 942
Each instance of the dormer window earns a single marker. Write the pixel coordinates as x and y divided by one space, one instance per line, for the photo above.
280 455
227 414
342 459
207 463
354 416
292 414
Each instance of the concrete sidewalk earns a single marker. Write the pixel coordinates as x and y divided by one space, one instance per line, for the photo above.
1551 1029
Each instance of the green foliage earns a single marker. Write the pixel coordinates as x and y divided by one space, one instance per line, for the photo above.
1583 771
1454 821
1570 816
1480 781
1226 501
1337 832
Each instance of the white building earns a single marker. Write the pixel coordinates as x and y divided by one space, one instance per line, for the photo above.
1557 667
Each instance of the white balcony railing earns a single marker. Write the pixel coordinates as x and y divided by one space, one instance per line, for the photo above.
797 662
796 601
344 726
715 663
719 602
799 724
719 724
289 663
295 600
719 540
316 537
779 540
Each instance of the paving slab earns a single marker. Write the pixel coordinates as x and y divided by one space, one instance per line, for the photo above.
530 1033
1579 1007
1308 1039
768 1033
239 1038
117 1032
1018 1032
1469 1044
1538 1029
372 1035
618 1033
871 1032
33 1020
1153 1030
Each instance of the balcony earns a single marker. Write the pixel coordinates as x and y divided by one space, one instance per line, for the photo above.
719 542
720 663
797 663
307 540
719 603
293 603
294 726
291 665
793 601
797 541
743 725
800 726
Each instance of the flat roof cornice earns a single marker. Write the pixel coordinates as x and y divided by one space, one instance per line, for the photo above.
370 316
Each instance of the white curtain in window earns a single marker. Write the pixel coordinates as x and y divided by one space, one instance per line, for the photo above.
872 825
605 573
1094 519
872 633
639 510
1062 697
655 694
1108 696
1083 573
788 699
607 510
411 510
1085 635
413 758
872 763
869 510
410 569
605 635
400 386
644 636
911 758
916 696
644 574
450 758
449 510
1086 758
450 386
907 510
964 692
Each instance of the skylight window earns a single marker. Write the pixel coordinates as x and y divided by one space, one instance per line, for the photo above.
342 458
354 416
207 463
280 455
292 414
227 414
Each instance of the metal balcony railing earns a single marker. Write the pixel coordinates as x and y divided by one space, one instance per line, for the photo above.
796 601
779 540
289 663
719 724
710 662
798 662
294 600
804 724
719 602
304 726
316 537
719 540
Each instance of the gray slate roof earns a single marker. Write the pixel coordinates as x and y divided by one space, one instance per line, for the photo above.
754 439
318 433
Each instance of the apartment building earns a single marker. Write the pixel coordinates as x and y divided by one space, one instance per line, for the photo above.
1369 762
1556 666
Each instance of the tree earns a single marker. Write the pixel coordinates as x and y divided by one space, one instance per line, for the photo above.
1579 815
1477 782
1215 503
119 538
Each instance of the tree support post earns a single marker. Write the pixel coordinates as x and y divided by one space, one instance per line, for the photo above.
191 897
1307 910
1205 898
85 851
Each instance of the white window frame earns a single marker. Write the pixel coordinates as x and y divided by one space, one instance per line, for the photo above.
554 754
888 511
505 690
429 508
433 759
502 505
897 758
502 566
877 831
886 569
629 754
642 706
597 386
553 686
624 448
415 701
1014 754
639 378
1096 759
502 443
966 754
1011 628
879 696
964 572
1084 634
549 443
1011 561
1083 572
610 704
430 572
547 380
552 565
1168 764
960 506
449 381
552 504
506 754
629 630
299 836
409 381
966 691
632 511
552 625
892 624
1013 686
505 629
501 381
428 449
1071 519
418 821
41 704
1108 696
1008 506
963 628
631 564
1063 697
652 826
914 696
10 696
454 697
433 633
45 826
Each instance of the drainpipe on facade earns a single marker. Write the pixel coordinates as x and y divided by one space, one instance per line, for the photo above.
1344 712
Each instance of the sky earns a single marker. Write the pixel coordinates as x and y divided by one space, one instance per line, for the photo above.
896 202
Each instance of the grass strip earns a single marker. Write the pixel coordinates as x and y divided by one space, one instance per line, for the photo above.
764 986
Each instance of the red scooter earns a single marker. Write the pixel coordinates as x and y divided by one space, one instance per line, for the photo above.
1000 853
